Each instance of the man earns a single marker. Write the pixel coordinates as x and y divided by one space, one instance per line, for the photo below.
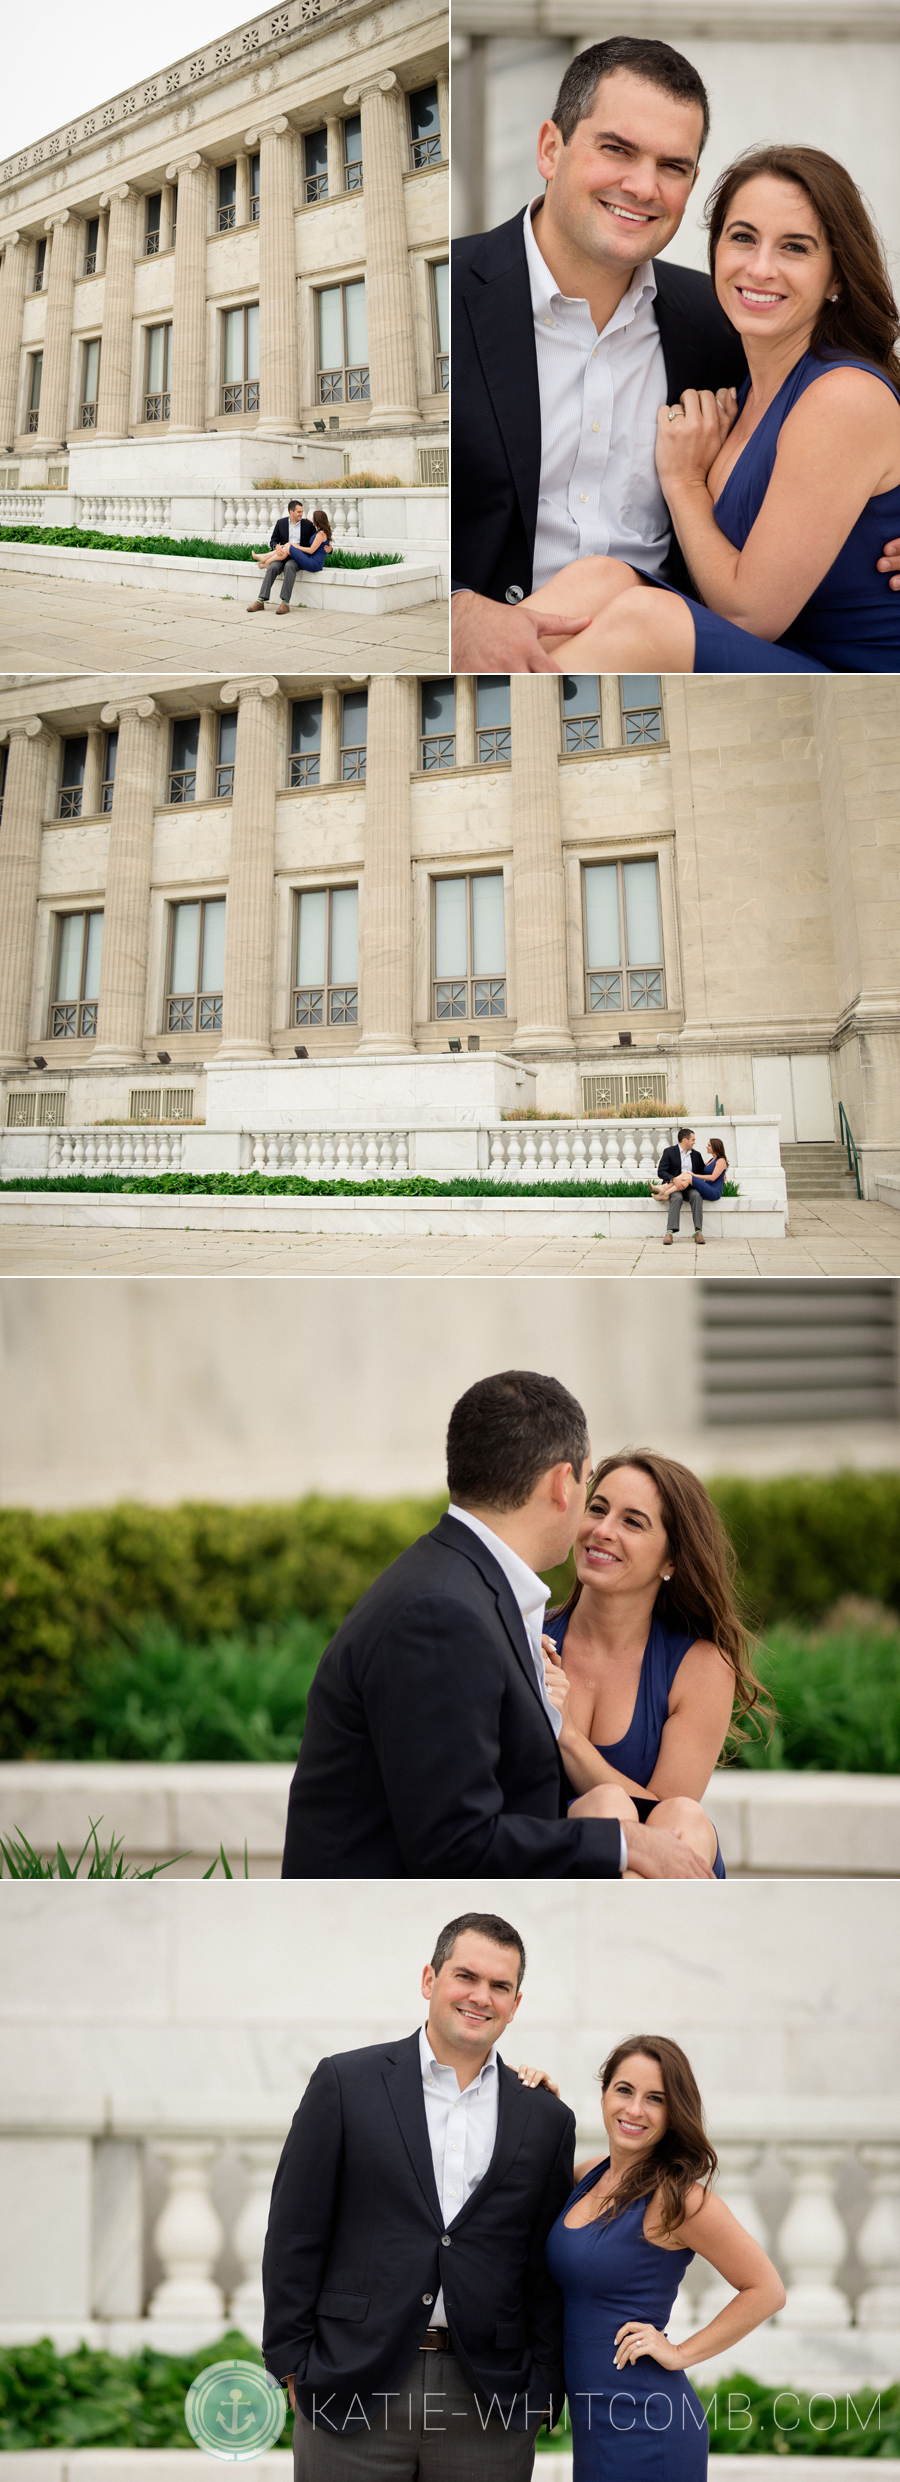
570 331
431 1744
409 2310
294 528
673 1161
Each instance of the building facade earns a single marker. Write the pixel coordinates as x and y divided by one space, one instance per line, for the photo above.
248 248
683 891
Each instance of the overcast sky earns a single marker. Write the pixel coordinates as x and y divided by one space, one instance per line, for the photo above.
78 52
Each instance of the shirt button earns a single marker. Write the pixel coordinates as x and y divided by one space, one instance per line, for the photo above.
595 426
583 494
548 322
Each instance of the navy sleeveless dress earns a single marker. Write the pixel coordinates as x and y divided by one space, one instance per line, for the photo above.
851 622
644 2423
637 1752
309 560
709 1185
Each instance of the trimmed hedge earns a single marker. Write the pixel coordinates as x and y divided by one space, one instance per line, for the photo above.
184 547
295 1185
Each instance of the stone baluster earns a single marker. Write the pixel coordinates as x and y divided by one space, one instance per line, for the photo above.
386 913
188 2236
878 2240
259 2158
393 380
812 2241
465 719
738 2165
188 395
123 963
330 754
116 347
250 910
334 131
21 827
13 278
278 371
538 885
54 411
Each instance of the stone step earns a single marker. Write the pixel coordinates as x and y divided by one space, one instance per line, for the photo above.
818 1170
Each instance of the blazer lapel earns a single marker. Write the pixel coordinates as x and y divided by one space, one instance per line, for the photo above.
403 2080
512 2115
499 303
461 1538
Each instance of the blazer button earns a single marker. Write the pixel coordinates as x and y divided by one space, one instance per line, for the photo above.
428 2298
445 2240
515 594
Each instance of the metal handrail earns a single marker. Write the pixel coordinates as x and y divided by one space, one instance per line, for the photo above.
848 1139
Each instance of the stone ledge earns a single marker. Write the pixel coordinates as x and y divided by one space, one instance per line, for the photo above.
182 2465
368 591
559 1219
886 1187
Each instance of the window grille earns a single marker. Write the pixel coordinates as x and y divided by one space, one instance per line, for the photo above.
437 739
434 467
145 1103
90 264
494 746
45 1110
611 1092
804 1351
227 219
622 937
89 416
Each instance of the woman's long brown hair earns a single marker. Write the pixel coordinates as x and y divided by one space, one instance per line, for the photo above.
684 2154
323 521
864 320
701 1594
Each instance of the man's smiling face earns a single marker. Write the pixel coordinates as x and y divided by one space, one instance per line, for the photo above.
618 191
473 1998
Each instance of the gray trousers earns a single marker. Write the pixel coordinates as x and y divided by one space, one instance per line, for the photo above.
676 1203
286 572
431 2431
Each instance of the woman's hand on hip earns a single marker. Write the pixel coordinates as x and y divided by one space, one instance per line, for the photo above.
690 435
535 2077
638 2342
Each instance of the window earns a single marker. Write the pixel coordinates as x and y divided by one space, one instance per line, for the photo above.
157 399
227 210
226 754
641 709
89 383
353 168
109 771
437 745
40 262
240 360
469 947
622 943
315 165
90 251
354 719
152 227
424 128
326 989
440 324
306 741
71 777
343 344
582 725
801 1351
254 189
76 980
492 707
196 967
34 393
183 768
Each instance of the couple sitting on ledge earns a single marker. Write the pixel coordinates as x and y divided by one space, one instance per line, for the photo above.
682 1173
452 1729
296 542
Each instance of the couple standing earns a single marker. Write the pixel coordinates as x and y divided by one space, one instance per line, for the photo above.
439 2274
605 400
451 1729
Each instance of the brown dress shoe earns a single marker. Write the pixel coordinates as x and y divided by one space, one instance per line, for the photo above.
281 609
256 607
700 1239
668 1238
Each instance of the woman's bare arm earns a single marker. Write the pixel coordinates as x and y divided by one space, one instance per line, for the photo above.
701 1700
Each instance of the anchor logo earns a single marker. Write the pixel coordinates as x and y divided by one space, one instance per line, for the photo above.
234 2411
237 2397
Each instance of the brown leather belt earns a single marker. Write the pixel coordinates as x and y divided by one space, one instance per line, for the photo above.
435 2340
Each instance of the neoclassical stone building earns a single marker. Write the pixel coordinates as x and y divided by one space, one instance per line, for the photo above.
245 251
687 889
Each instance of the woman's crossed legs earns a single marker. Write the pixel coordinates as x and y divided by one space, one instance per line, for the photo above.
633 627
681 1816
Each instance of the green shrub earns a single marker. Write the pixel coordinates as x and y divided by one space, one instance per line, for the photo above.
294 1185
104 2400
837 1692
805 1540
747 2419
184 547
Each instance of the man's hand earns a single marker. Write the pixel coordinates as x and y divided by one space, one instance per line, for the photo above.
655 1854
289 2384
889 565
502 637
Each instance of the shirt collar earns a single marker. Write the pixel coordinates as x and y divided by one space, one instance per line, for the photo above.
546 297
435 2072
530 1591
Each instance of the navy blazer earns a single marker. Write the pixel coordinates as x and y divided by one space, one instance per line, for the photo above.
428 1751
357 2249
669 1165
495 427
282 529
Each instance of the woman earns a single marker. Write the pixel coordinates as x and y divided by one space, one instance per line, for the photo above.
782 496
710 1182
619 2252
654 1653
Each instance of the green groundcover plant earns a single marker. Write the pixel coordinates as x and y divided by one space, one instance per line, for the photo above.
294 1185
747 2419
184 547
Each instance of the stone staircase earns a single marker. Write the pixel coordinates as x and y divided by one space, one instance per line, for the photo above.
818 1171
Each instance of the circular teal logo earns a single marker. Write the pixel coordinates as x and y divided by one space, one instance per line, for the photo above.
235 2411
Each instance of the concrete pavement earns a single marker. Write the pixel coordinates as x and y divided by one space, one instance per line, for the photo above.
52 624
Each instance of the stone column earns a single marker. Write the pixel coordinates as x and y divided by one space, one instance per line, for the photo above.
114 402
443 87
611 710
465 719
278 389
389 304
12 300
386 993
20 871
250 909
242 188
334 131
206 754
330 761
188 408
54 414
126 913
90 796
542 1007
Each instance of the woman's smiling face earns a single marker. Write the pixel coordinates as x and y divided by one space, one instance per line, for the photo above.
774 267
634 2106
621 1541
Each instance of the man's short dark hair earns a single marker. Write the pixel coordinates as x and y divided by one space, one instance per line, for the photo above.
655 62
506 1432
684 1133
488 1926
295 502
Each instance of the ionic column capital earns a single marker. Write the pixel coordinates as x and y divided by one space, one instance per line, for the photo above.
13 239
265 687
63 216
125 189
267 129
144 707
387 84
190 163
30 728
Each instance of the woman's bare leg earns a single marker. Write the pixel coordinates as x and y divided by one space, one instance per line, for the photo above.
640 629
686 1818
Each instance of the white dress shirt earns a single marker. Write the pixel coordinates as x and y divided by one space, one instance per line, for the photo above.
600 395
462 2134
686 1164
